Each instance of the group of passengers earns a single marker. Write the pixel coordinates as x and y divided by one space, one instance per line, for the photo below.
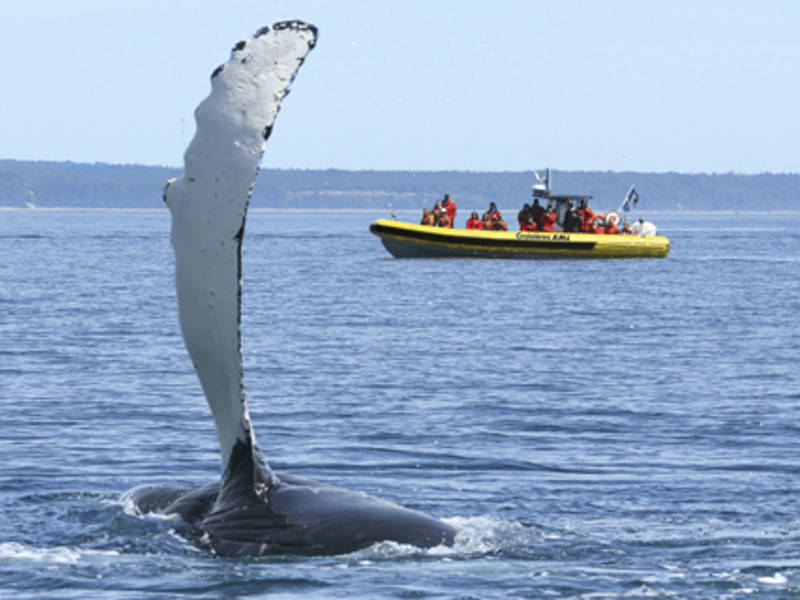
576 220
443 213
532 217
492 220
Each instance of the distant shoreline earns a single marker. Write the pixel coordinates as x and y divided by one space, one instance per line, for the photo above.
404 211
100 186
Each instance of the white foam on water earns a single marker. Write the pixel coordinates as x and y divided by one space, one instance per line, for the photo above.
58 555
476 535
776 579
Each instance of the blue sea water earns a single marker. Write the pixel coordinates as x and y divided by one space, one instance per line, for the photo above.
595 429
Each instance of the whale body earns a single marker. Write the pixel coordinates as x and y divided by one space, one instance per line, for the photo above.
251 510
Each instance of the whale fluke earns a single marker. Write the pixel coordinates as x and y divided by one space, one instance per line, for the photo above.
251 510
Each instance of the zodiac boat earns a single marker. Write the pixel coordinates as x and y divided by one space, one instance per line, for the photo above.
407 240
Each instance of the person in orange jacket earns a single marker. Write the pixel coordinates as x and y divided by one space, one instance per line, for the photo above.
474 222
587 216
500 224
493 214
549 219
450 207
597 225
528 225
523 214
611 228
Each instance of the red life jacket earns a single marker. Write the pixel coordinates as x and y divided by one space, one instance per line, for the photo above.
451 209
587 214
548 221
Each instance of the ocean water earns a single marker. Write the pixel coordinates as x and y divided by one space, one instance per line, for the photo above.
612 429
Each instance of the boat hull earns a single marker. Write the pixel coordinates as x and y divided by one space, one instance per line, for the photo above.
407 240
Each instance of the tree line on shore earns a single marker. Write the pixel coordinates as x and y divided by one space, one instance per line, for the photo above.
47 184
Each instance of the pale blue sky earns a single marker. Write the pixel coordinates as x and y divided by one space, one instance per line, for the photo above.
649 85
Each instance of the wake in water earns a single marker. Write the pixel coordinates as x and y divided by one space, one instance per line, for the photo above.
101 538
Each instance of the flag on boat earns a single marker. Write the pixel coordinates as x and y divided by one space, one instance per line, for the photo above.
631 199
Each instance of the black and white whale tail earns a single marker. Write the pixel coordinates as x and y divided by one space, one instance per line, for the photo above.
251 510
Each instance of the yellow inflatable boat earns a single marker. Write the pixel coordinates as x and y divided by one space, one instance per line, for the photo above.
407 240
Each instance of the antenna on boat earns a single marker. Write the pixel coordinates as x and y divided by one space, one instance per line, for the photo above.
394 216
541 186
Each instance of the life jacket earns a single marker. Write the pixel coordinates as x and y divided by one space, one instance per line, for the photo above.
548 221
587 214
451 209
474 224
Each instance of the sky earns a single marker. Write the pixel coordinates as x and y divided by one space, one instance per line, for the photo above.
694 86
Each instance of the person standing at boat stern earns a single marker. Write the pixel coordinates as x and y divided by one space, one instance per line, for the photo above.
451 208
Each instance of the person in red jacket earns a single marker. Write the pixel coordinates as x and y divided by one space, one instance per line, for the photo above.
493 214
597 225
523 214
549 219
500 224
528 225
474 222
450 207
587 215
611 228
